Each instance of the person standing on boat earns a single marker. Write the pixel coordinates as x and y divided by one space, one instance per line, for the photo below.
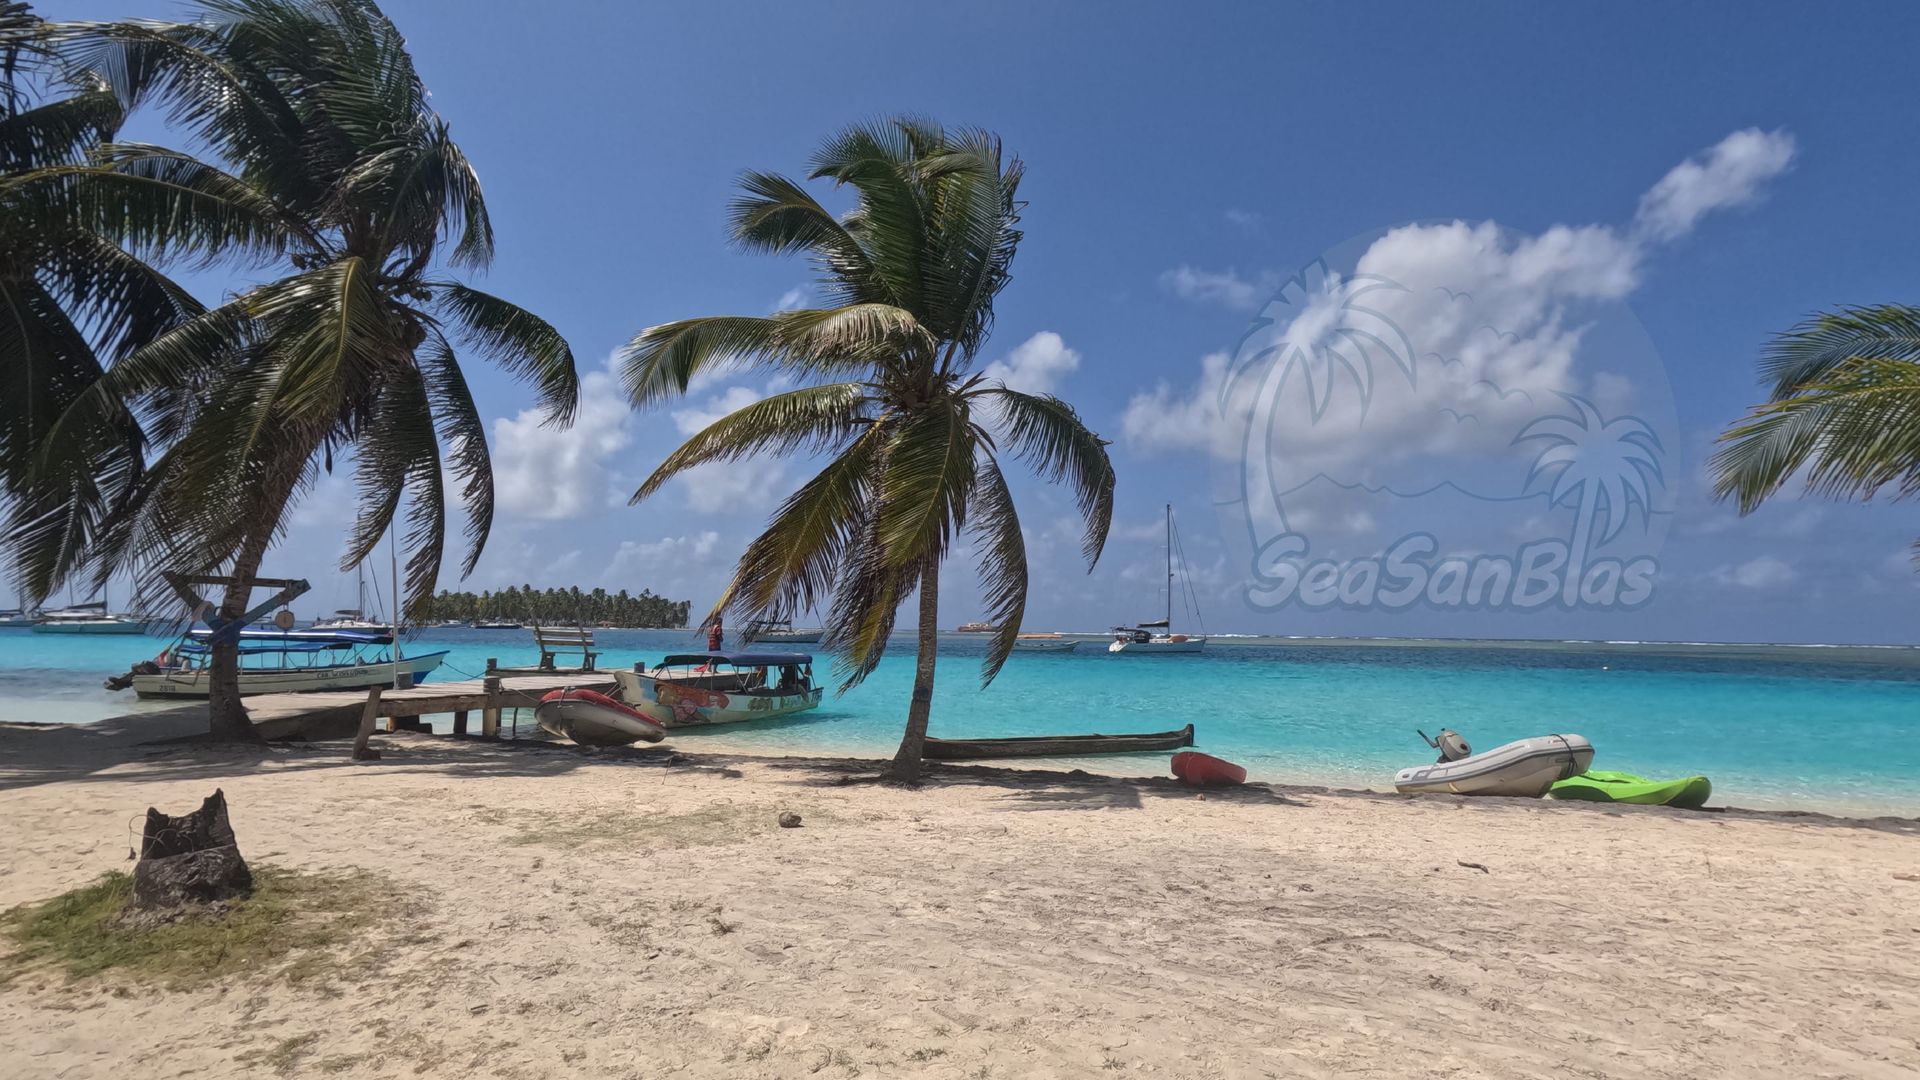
716 635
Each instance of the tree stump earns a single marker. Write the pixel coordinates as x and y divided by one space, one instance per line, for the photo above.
191 859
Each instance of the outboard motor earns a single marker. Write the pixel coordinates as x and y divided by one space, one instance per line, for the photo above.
1451 744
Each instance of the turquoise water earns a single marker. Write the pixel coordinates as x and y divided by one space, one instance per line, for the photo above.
1787 728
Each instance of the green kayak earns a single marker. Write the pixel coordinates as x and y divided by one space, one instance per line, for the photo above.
1597 786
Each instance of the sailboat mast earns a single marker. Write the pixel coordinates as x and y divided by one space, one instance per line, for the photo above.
1169 568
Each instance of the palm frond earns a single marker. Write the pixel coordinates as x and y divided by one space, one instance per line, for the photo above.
925 485
518 341
817 418
1808 352
1855 432
465 434
1048 434
1002 550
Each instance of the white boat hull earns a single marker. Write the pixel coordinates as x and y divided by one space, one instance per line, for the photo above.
90 626
673 703
1159 646
1045 646
789 637
193 683
590 723
1526 769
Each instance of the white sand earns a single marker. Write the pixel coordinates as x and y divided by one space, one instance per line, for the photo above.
989 925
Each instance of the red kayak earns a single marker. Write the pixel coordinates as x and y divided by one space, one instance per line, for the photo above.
593 719
1204 770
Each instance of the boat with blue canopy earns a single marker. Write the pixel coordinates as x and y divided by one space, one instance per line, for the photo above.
282 661
697 689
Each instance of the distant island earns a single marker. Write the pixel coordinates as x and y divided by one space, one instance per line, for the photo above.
569 606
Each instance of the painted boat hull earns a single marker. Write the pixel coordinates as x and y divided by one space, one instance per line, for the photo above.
1055 745
1691 792
1159 647
193 684
1205 770
1526 769
673 703
591 719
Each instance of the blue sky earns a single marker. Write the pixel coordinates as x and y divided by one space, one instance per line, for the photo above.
1180 164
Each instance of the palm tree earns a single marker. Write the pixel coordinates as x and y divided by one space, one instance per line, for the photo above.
913 439
71 299
1844 407
1603 468
337 170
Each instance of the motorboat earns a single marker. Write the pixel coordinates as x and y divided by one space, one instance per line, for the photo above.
782 632
594 719
16 619
280 662
698 689
974 628
490 624
1055 745
1157 637
1044 643
87 619
1526 768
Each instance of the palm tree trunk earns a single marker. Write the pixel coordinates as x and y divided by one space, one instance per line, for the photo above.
906 762
226 714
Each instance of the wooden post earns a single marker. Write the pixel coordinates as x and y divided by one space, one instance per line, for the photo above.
490 716
361 751
460 722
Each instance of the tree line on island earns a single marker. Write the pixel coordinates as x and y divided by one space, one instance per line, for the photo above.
145 430
559 607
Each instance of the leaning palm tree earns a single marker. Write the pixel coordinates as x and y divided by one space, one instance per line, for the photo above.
1844 409
71 300
912 437
332 166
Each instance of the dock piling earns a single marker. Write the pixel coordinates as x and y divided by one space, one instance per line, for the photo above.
490 715
362 752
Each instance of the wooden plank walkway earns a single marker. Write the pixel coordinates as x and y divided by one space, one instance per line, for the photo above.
333 713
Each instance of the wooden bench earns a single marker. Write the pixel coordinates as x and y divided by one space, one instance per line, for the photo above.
553 639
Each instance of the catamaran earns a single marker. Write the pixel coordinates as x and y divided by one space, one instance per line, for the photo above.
282 661
1157 637
353 618
696 689
87 619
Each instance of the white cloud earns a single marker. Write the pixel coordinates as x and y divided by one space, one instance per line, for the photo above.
666 556
1729 174
1761 572
724 487
694 420
791 299
1441 345
1036 365
552 474
1244 220
1223 287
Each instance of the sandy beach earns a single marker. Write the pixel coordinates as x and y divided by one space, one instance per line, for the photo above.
637 915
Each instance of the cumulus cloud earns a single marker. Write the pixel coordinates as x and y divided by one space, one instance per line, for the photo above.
1443 339
552 474
1731 173
634 560
1036 365
1761 572
1226 288
697 418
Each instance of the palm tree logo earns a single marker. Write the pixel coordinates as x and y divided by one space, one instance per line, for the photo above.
1322 329
1603 468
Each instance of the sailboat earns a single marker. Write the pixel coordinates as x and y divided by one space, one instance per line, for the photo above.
89 618
353 618
1157 637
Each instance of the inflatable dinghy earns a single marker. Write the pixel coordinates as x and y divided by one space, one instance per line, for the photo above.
1527 768
592 719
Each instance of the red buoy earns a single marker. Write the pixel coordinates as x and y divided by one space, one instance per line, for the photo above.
1204 770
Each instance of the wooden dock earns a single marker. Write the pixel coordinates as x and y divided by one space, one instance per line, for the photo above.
338 714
